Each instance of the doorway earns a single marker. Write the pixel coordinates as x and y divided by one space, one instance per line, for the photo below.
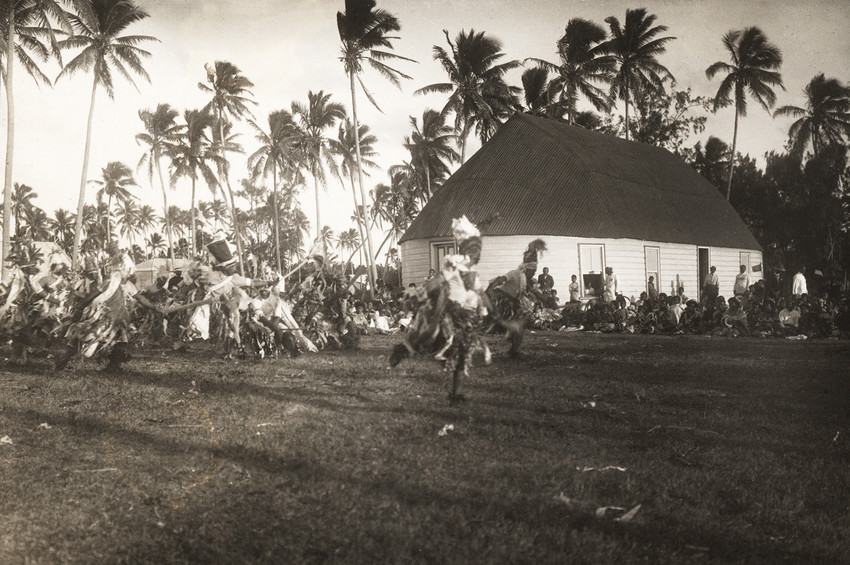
702 268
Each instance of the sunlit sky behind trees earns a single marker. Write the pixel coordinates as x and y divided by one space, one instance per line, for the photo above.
289 47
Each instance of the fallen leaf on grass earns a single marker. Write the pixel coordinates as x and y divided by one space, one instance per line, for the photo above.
836 436
696 547
628 515
446 429
600 512
5 440
44 425
606 468
563 498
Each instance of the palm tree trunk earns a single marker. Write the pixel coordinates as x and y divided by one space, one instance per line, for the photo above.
108 226
627 110
386 239
276 219
81 202
357 248
373 271
10 141
318 210
463 135
231 203
427 179
732 159
360 220
170 254
194 237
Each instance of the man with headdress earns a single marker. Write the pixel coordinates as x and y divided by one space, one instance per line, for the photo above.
513 295
227 287
450 308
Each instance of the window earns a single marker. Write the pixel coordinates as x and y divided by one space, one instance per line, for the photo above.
592 266
652 259
745 259
439 251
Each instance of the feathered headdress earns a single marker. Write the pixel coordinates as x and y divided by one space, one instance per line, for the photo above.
468 239
535 248
463 229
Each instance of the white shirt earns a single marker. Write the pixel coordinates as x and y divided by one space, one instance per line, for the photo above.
799 285
742 283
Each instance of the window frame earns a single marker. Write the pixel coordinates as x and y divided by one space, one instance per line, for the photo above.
581 272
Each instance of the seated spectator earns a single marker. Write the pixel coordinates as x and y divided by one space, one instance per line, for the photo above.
789 319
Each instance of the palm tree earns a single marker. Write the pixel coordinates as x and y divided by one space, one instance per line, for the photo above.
364 33
63 223
327 237
97 32
161 134
345 147
38 223
192 154
824 120
754 69
479 96
537 93
634 48
155 243
230 91
348 240
21 201
278 152
115 183
394 204
711 160
147 219
314 118
24 25
583 65
430 147
127 218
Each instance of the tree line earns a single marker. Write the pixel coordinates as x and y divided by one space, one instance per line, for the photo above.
797 206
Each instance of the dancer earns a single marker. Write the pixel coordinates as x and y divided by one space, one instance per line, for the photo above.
449 311
513 296
103 326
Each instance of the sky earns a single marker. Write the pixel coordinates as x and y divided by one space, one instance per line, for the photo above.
289 47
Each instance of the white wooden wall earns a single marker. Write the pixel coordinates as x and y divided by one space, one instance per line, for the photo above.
678 262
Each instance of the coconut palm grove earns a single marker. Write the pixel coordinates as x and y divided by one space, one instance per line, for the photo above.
218 354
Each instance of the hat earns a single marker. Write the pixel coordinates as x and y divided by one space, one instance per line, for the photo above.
222 252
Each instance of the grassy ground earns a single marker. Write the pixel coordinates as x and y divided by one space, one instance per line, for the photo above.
729 450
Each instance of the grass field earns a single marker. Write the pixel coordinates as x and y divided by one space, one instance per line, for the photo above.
590 449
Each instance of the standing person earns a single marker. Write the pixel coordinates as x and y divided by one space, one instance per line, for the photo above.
610 290
545 280
799 288
651 290
711 285
742 282
431 274
575 290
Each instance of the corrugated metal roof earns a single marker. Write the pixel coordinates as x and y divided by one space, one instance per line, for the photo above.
544 177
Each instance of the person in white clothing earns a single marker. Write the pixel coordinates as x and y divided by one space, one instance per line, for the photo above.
799 284
742 282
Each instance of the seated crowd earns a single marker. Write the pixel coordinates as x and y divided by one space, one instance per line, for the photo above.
754 313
